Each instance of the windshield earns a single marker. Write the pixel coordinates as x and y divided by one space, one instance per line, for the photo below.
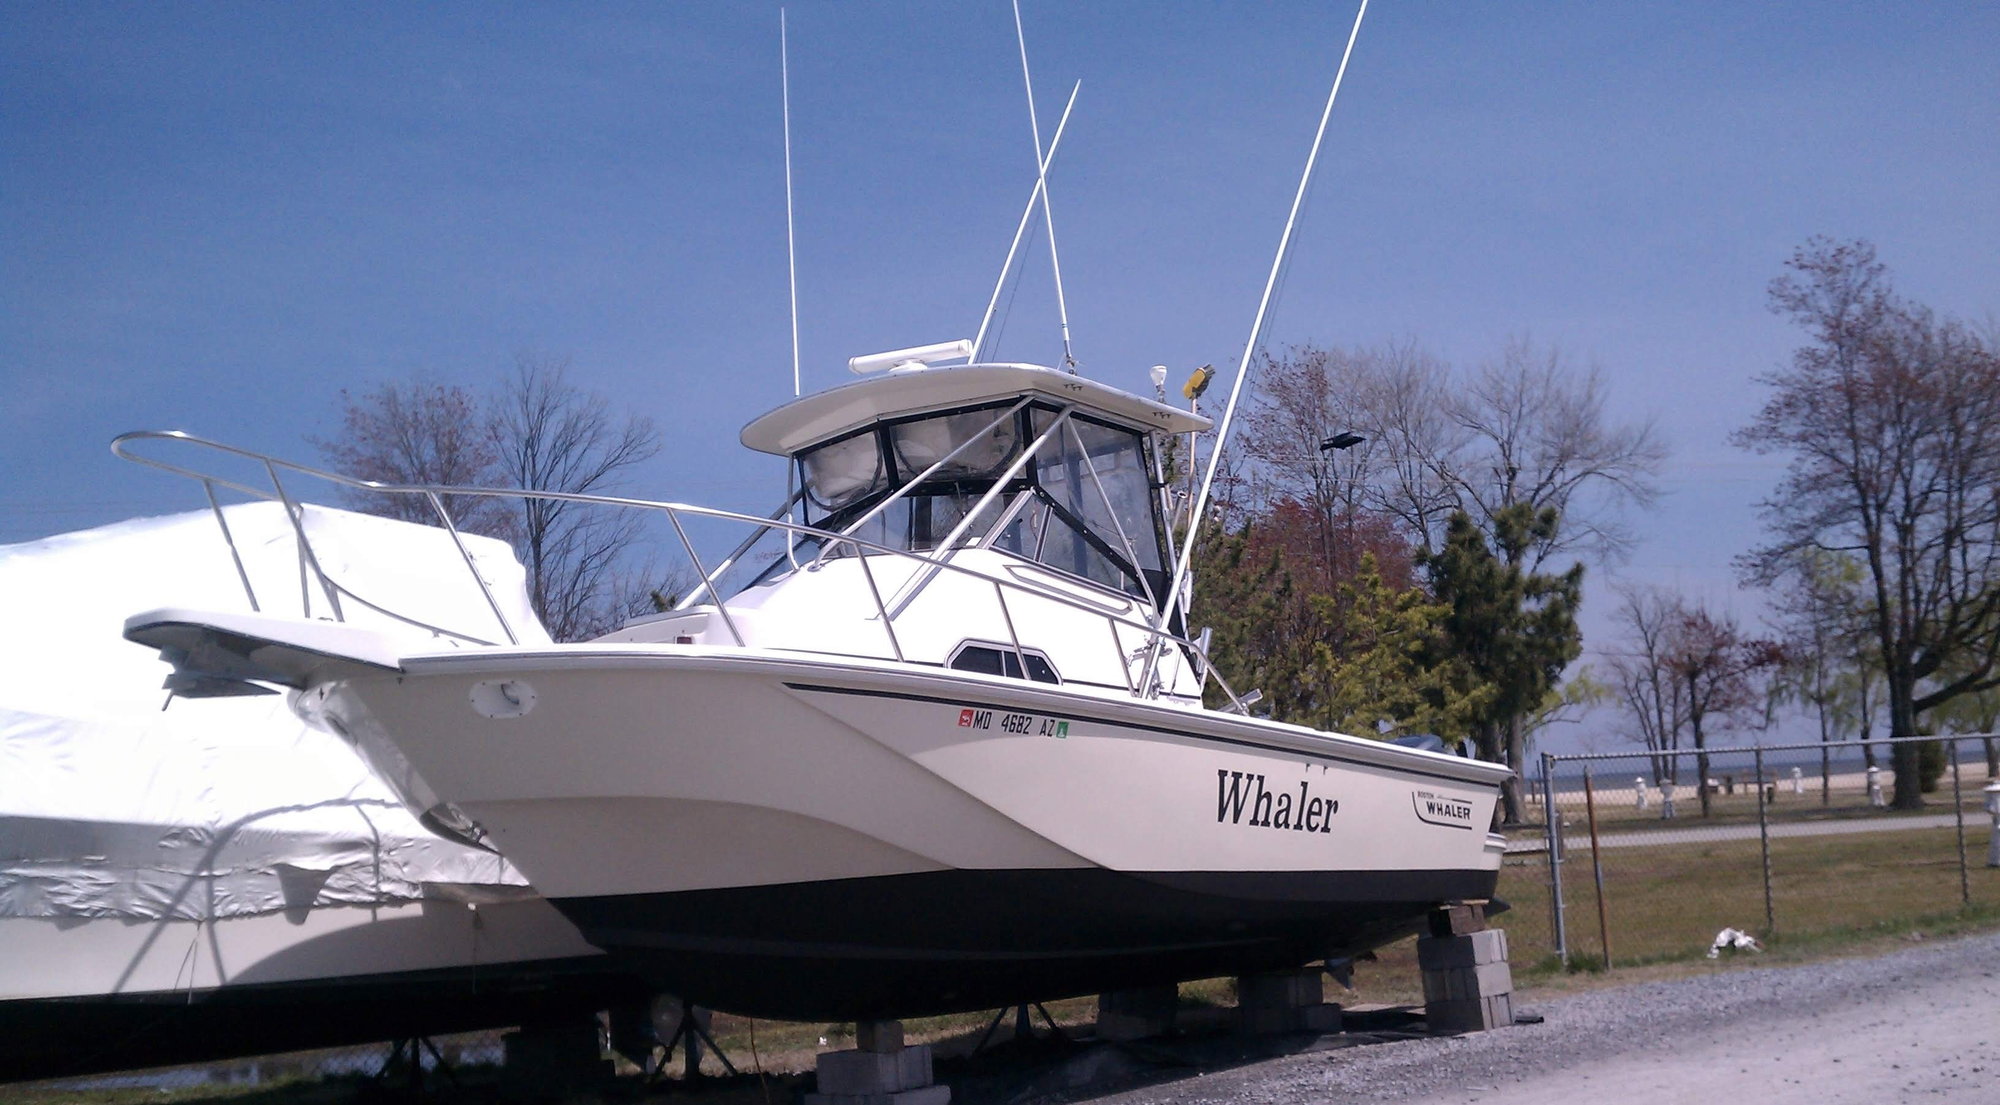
1084 505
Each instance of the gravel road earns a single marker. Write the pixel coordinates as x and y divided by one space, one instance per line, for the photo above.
1918 1024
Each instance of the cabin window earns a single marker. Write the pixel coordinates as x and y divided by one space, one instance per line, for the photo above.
1002 660
843 472
919 521
1097 519
1086 505
919 444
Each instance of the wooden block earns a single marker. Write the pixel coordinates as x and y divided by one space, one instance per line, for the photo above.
1458 919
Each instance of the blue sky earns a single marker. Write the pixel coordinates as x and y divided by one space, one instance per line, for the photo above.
215 216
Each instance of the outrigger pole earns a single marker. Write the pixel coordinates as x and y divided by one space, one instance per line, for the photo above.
1256 330
1041 179
1041 173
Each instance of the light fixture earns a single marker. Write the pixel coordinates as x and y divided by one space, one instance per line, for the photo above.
1198 382
1341 440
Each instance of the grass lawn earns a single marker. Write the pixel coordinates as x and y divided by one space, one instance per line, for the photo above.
1667 902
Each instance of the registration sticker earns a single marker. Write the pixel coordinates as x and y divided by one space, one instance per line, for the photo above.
1025 725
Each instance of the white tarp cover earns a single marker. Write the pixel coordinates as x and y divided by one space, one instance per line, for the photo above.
219 807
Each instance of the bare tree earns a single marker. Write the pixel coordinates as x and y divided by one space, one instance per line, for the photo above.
1655 698
540 433
419 432
1534 430
1891 418
552 436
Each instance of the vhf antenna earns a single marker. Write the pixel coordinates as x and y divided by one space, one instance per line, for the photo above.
791 251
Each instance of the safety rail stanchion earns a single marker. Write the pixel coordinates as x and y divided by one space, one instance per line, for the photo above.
1552 829
721 607
1764 840
228 538
791 500
1020 656
1124 661
888 625
308 562
465 554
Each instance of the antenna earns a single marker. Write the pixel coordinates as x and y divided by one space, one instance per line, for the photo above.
1257 326
1021 228
1041 172
791 254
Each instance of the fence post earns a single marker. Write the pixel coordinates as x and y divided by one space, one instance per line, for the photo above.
1958 813
1597 866
1552 832
1764 840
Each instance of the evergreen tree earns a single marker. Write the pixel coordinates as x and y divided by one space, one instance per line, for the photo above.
1514 630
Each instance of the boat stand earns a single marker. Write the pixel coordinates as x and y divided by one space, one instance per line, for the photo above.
410 1049
1024 1028
692 1038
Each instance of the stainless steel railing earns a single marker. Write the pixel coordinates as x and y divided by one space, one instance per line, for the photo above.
929 564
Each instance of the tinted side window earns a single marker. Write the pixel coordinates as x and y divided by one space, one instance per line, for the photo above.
997 661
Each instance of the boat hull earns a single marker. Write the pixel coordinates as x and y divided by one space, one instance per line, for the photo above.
87 995
943 942
800 838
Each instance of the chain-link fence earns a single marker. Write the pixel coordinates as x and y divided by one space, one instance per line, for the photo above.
1651 855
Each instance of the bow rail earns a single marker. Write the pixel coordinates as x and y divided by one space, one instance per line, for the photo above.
928 562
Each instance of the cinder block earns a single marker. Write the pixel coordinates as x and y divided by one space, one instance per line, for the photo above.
1282 989
913 1067
922 1095
1458 1015
882 1037
1140 999
857 1072
1137 1014
1266 1020
1324 1017
1458 983
1476 1014
1470 950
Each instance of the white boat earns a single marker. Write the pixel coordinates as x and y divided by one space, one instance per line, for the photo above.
944 750
218 879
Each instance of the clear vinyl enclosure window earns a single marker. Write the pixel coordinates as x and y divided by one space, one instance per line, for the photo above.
1084 505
